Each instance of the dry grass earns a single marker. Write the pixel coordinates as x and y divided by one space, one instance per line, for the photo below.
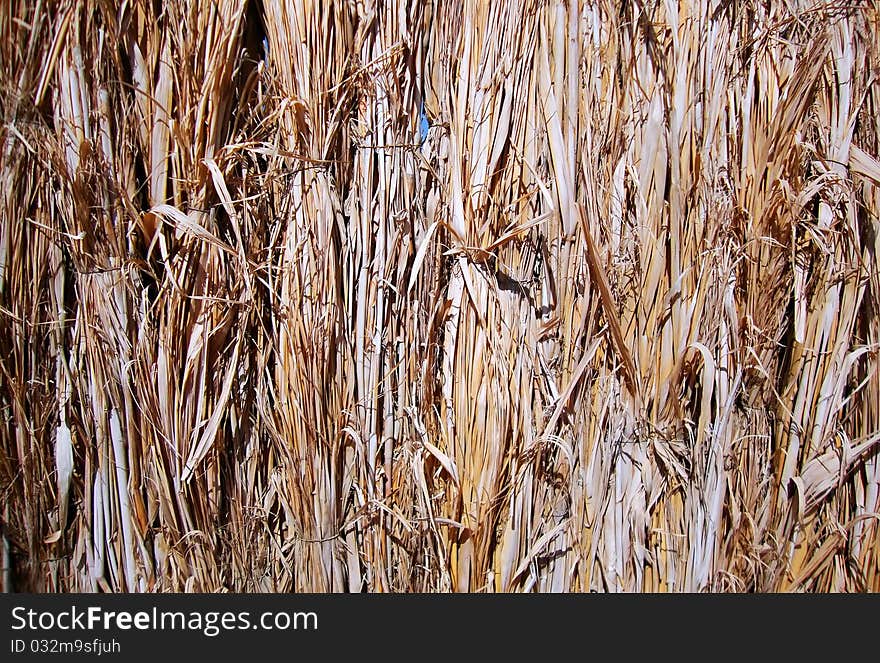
611 324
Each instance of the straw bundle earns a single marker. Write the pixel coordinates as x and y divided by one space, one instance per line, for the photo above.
445 296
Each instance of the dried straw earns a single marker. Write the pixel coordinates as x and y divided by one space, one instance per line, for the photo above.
445 296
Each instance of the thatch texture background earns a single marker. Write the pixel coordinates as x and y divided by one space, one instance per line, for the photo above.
443 296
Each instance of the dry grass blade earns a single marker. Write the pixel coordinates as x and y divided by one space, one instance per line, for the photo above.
448 296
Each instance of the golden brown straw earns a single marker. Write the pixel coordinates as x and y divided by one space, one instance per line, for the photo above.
520 296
